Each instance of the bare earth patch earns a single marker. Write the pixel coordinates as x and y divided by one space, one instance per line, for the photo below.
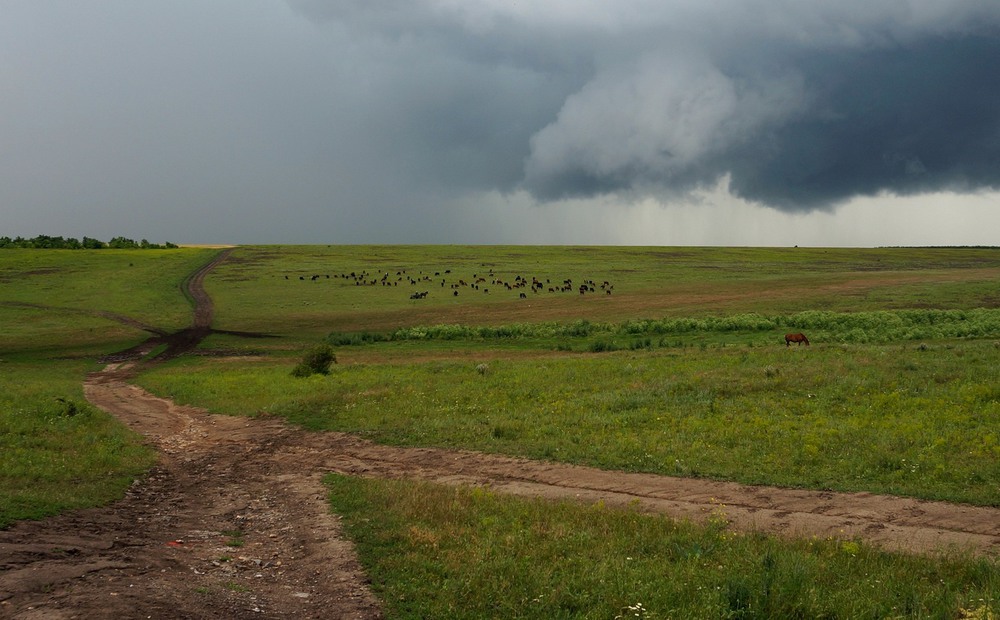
218 529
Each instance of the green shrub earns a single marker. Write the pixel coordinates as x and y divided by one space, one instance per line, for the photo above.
642 343
316 361
603 346
343 340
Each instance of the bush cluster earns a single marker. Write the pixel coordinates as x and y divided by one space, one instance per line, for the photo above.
842 327
45 242
316 361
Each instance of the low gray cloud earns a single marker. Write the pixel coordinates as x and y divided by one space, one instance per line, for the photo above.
376 120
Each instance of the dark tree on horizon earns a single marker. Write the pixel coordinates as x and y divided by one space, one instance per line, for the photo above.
46 242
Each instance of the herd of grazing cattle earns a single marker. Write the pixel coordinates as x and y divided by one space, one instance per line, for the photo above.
478 282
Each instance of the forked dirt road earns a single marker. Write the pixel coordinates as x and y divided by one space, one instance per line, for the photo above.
232 522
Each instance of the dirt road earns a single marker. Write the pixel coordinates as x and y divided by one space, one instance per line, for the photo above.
232 522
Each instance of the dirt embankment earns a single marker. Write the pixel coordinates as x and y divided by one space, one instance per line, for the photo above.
233 523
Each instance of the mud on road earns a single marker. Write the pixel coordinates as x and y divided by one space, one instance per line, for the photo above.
233 522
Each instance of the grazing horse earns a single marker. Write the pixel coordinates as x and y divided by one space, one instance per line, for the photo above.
799 338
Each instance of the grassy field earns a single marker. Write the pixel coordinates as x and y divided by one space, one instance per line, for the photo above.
253 294
437 552
54 312
56 302
59 454
913 419
682 370
896 396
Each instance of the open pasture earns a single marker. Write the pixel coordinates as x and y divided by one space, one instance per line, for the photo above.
61 310
57 452
912 419
252 293
441 552
682 370
56 301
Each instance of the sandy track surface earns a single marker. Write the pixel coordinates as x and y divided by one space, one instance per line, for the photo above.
218 529
233 523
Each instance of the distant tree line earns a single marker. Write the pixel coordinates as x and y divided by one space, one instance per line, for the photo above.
69 243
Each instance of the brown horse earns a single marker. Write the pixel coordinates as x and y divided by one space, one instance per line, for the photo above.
799 338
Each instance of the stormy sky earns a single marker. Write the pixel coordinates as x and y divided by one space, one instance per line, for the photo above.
753 122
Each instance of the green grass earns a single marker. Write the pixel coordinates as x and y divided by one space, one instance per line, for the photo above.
53 307
52 300
839 327
54 455
234 538
915 419
253 294
441 552
40 332
681 371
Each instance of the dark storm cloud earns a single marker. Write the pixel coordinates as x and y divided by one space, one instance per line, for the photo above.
453 93
908 119
905 119
791 126
798 104
358 121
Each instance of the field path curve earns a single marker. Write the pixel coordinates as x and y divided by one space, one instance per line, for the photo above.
194 287
233 521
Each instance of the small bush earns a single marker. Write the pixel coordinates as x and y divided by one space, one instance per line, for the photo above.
602 346
355 339
642 343
68 408
316 361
